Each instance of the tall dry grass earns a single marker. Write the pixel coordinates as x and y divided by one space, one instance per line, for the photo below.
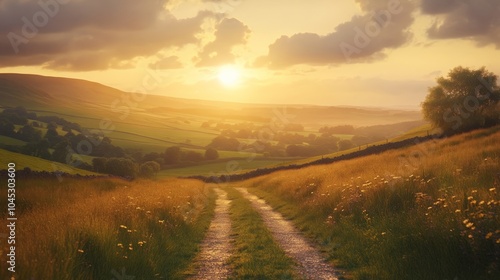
431 211
108 228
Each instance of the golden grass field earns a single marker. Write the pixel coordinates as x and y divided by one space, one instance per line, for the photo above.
94 228
430 211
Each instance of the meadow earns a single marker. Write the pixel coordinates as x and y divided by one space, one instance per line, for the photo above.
38 164
223 166
430 211
108 228
152 123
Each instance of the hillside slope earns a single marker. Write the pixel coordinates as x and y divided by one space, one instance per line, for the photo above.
38 164
429 211
80 95
151 123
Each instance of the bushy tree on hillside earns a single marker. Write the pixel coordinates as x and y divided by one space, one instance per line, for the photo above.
345 145
121 167
61 152
37 149
7 128
42 149
29 134
53 137
466 99
99 164
211 154
149 169
18 115
172 155
224 143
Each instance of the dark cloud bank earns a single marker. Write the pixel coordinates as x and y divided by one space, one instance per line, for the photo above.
384 25
90 34
81 35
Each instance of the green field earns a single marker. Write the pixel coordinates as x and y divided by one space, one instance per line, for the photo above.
5 140
159 122
37 164
420 131
233 166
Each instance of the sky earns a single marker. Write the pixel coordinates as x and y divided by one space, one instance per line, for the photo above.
376 53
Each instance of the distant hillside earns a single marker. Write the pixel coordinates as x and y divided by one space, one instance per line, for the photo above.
148 125
52 93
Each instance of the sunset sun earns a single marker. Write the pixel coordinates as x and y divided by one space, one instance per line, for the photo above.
229 76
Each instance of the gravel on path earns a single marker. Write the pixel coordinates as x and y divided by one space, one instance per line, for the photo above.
311 264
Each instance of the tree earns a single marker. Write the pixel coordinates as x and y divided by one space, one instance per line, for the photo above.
225 143
345 144
99 164
29 134
17 115
62 152
211 154
464 100
52 125
42 149
149 169
172 155
53 137
7 128
121 167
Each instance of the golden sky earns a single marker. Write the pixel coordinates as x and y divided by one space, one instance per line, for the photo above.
338 52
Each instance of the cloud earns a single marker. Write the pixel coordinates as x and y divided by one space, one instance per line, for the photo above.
383 25
433 7
228 34
170 62
86 35
476 20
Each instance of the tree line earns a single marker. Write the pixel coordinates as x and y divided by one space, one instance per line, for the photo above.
285 144
67 147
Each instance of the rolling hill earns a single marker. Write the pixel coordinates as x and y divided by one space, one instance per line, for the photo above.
64 95
151 123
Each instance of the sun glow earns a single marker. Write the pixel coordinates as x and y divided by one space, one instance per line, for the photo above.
229 76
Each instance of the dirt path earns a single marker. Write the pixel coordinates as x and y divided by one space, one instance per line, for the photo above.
311 263
216 248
